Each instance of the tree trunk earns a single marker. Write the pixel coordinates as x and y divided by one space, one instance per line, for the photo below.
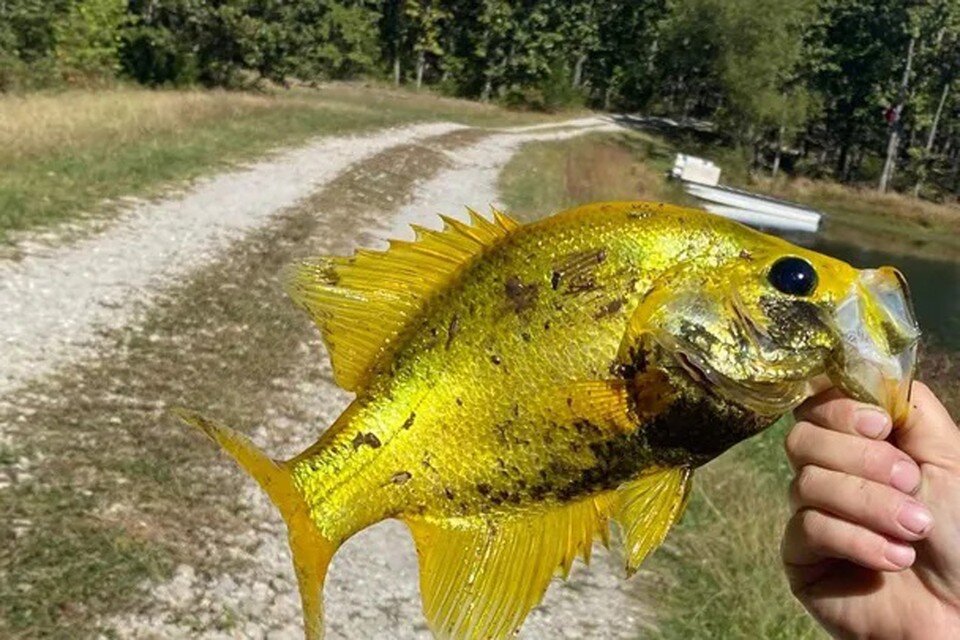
896 128
608 96
776 156
578 71
487 90
396 69
421 63
931 137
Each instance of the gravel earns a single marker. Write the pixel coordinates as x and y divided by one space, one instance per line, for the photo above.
54 301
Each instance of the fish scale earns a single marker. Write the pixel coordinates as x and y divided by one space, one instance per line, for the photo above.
519 387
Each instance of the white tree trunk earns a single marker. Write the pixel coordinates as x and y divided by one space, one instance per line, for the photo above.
396 69
931 138
578 71
893 144
421 63
776 157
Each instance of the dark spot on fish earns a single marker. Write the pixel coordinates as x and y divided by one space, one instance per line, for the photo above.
521 483
409 421
365 439
434 332
484 488
516 410
400 477
452 330
546 325
622 370
459 402
501 429
609 309
448 492
601 255
426 463
520 295
569 402
495 359
555 278
526 336
746 255
575 446
582 285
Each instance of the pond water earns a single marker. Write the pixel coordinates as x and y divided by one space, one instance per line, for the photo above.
934 284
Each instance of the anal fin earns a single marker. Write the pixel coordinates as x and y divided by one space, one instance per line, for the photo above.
480 577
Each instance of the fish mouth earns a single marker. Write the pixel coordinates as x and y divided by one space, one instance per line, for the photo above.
877 353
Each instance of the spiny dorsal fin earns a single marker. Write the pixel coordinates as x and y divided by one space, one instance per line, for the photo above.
480 578
361 304
647 507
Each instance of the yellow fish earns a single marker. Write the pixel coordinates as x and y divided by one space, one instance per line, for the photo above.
520 386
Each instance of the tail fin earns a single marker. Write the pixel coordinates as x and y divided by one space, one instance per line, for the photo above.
311 551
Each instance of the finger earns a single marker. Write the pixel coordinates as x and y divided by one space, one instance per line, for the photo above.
813 536
870 504
929 434
833 410
879 461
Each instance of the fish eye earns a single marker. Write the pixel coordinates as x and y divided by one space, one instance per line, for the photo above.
793 276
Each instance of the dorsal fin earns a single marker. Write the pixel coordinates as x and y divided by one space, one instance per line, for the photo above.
361 304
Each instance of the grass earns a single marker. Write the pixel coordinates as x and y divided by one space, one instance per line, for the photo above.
62 155
546 177
121 492
719 574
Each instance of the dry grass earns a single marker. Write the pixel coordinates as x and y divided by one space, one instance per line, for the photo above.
34 124
68 154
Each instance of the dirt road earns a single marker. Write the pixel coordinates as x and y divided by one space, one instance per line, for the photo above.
232 576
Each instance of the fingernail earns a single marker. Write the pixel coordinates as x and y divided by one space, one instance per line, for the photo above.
905 476
871 422
915 517
902 555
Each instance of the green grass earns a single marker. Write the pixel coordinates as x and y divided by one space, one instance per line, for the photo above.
63 155
546 177
719 574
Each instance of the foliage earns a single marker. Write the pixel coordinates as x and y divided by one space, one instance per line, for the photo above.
811 82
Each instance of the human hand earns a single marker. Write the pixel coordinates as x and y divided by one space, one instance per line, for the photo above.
873 547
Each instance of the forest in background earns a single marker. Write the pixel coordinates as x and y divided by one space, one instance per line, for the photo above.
857 91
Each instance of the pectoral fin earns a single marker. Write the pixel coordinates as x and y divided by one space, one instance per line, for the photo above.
647 507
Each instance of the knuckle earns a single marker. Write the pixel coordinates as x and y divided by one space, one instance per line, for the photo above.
877 458
795 441
868 548
805 481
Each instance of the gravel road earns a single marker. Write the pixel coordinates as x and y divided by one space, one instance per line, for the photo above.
53 302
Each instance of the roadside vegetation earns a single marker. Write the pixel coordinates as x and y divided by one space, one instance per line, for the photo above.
852 90
718 575
62 155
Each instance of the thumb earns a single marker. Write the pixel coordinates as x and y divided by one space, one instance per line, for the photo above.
929 434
